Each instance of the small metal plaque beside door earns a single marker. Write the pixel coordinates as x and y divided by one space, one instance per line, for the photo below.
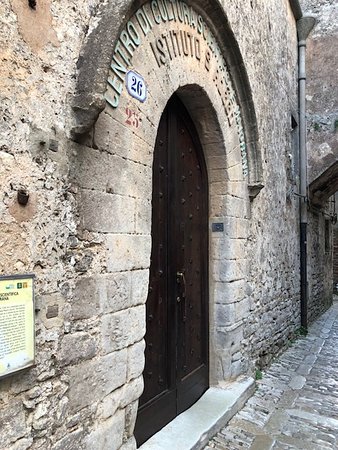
217 227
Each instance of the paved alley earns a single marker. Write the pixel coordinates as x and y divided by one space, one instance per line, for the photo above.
296 402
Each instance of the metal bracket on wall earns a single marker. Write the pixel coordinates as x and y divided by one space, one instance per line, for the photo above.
254 190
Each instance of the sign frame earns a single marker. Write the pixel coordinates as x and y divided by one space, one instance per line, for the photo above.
28 335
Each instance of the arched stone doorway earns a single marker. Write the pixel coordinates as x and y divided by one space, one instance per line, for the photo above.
125 133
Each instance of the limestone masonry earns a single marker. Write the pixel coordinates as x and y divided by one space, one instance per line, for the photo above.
79 140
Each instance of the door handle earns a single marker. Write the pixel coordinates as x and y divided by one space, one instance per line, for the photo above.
181 281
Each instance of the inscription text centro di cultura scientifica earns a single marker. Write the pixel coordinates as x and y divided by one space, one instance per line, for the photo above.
186 36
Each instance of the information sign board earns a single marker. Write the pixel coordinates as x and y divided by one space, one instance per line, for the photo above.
17 331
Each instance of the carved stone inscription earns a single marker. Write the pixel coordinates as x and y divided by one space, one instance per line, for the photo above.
176 42
173 31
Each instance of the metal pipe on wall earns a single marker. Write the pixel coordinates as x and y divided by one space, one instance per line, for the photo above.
304 27
296 9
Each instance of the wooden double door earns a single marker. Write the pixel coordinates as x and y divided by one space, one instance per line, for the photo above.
176 370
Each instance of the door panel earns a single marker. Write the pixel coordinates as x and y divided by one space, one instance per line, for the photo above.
156 373
176 368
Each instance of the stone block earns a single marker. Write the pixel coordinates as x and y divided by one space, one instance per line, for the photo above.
234 188
235 173
106 213
132 392
230 292
236 207
76 348
23 381
112 137
230 270
225 248
225 365
232 141
236 369
217 162
140 284
91 381
110 404
61 413
12 423
236 227
22 444
130 444
91 167
89 294
108 435
104 134
138 177
217 175
124 328
130 419
234 157
238 189
229 339
101 171
128 252
143 215
228 206
218 187
217 206
70 442
242 309
136 360
51 310
215 147
125 290
225 314
118 292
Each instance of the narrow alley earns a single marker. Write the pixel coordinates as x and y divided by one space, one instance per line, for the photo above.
296 402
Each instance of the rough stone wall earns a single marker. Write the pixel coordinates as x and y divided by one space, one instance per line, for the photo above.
273 243
335 261
320 266
322 90
83 390
56 403
335 251
322 141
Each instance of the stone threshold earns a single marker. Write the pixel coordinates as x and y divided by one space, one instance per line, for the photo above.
192 429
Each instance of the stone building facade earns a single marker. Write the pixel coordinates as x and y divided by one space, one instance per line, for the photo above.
322 114
80 142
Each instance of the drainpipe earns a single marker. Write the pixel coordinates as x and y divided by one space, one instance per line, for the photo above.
304 26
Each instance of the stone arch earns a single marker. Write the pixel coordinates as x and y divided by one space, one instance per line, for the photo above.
125 157
113 171
95 57
227 276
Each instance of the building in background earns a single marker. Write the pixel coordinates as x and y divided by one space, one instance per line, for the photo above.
322 116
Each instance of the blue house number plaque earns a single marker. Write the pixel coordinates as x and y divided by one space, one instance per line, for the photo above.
136 86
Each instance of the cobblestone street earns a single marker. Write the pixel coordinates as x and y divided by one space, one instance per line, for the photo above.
296 402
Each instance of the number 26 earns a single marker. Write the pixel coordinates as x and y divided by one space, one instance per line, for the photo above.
137 86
